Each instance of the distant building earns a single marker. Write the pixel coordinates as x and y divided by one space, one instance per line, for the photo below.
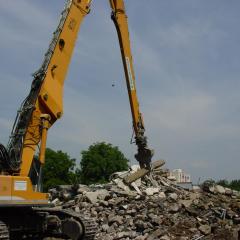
180 176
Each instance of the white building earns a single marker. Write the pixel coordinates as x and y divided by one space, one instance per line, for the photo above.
180 176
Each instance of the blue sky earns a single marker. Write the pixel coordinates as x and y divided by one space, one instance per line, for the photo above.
186 55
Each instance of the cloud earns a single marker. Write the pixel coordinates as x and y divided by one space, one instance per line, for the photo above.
5 126
5 123
86 121
182 112
18 9
26 17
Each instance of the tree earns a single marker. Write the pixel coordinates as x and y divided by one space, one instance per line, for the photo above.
223 182
100 161
234 184
58 169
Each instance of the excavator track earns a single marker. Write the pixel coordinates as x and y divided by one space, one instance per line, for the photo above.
74 225
4 233
90 227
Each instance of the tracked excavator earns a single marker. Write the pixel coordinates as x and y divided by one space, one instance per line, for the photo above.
25 212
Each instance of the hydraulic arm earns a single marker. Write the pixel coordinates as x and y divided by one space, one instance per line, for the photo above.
119 17
43 106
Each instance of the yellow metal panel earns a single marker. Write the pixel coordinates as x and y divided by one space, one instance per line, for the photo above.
18 190
50 100
5 187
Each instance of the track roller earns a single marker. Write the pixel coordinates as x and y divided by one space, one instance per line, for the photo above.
4 233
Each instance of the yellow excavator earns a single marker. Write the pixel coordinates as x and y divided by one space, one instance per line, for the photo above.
25 211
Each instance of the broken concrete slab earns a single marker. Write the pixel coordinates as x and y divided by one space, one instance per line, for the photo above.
219 189
205 229
142 172
94 197
167 211
151 191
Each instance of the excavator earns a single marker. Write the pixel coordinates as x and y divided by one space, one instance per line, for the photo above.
25 211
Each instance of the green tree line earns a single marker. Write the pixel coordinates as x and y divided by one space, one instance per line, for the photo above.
234 184
97 164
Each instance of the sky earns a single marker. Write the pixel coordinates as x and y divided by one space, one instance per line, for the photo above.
187 65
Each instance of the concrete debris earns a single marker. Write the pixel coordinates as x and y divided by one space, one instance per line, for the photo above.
173 196
151 191
143 211
94 197
228 191
162 195
205 229
141 172
220 189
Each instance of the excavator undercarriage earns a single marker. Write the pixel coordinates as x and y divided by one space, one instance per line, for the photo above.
27 222
4 232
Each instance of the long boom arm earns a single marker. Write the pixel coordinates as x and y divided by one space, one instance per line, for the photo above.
44 106
119 17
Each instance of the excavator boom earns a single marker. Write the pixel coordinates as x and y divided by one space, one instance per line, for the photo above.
44 102
119 17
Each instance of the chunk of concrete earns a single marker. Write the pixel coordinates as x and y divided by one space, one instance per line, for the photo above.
162 195
205 229
219 189
173 196
94 197
228 191
151 191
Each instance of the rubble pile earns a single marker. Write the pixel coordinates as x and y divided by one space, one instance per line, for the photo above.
155 208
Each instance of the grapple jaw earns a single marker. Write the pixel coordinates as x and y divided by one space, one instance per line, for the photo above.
144 157
144 154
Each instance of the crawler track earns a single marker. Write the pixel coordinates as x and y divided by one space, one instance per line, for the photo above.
37 223
88 226
4 233
90 229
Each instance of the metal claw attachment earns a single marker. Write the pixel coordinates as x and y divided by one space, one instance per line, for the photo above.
144 157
